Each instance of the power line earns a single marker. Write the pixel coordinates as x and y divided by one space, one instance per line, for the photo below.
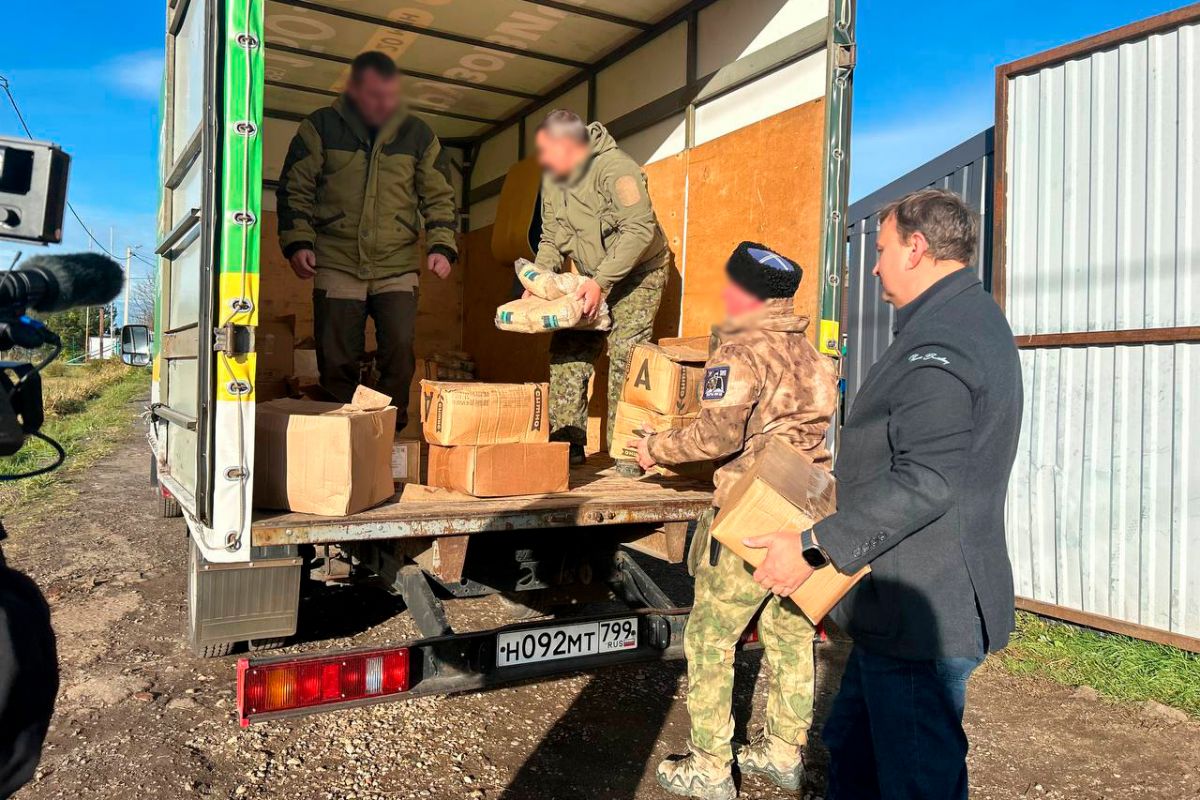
4 84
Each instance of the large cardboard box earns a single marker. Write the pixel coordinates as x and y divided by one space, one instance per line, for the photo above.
274 343
628 426
455 413
406 460
324 458
665 379
783 491
501 470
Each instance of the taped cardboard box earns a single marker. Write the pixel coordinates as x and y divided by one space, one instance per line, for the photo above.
274 344
406 461
783 491
331 459
454 413
628 426
665 379
501 470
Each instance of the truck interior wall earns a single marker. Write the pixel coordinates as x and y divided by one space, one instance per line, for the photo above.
732 188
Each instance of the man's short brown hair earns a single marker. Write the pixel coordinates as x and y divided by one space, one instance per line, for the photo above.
375 61
563 123
947 223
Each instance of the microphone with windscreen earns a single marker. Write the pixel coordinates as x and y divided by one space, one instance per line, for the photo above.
59 282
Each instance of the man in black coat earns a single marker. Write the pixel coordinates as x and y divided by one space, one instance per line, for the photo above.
922 471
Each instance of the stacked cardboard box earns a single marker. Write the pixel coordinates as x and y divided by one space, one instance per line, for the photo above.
784 491
324 458
491 439
661 392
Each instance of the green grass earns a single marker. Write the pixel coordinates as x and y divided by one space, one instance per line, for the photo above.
1116 666
88 428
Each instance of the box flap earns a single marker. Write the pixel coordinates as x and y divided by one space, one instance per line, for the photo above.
369 400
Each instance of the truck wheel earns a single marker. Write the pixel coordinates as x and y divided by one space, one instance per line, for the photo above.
168 507
208 649
258 645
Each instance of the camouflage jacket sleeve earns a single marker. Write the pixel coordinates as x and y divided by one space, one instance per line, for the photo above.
729 393
436 198
297 193
548 256
624 187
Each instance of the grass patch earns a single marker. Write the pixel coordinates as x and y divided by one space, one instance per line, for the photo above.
1116 666
86 410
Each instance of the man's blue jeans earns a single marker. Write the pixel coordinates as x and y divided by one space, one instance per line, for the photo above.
895 731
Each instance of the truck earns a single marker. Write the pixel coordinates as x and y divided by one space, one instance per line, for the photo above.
739 111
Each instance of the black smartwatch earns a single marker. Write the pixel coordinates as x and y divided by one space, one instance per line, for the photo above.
812 551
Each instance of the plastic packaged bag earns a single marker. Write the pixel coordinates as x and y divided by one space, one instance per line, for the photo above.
535 315
553 305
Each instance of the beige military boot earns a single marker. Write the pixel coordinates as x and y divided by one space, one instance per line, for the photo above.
697 775
776 760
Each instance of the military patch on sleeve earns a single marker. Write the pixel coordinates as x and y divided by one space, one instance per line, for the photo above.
716 383
628 192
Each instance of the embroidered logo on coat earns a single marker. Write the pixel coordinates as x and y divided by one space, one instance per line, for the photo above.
716 382
930 356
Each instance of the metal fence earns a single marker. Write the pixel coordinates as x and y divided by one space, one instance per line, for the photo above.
866 319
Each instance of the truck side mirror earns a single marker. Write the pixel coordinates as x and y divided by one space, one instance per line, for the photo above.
135 345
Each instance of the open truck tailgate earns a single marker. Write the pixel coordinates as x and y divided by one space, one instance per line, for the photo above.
598 496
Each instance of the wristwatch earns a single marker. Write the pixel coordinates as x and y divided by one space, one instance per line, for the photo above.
812 551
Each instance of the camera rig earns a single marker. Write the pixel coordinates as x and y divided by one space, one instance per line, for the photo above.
33 200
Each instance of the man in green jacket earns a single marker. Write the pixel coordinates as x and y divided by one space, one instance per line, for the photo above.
360 178
596 210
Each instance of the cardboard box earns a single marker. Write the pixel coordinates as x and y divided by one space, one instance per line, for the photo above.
783 491
501 470
454 413
432 369
406 461
665 379
628 425
304 366
324 458
273 347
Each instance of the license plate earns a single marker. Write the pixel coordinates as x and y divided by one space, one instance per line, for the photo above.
566 641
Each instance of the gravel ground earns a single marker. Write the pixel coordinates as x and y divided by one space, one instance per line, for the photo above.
139 716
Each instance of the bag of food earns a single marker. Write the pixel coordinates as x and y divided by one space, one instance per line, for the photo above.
547 284
535 315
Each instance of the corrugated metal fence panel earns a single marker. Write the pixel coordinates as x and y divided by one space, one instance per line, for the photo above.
1104 189
965 170
1103 511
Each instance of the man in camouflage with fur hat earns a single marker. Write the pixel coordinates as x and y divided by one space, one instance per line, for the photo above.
764 379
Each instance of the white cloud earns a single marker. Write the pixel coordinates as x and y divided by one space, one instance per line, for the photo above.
137 74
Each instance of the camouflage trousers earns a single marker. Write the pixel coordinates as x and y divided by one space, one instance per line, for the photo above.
727 598
633 303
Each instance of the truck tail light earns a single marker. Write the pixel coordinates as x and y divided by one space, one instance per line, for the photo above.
289 685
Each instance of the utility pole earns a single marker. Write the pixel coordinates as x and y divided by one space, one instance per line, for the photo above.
128 281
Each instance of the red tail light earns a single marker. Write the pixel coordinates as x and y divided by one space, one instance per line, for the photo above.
308 682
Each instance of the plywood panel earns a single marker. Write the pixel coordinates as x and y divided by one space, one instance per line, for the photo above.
499 355
667 180
740 188
439 311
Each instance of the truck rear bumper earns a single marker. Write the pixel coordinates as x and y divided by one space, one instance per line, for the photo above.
441 665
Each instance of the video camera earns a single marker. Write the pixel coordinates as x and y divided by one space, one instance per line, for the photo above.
33 200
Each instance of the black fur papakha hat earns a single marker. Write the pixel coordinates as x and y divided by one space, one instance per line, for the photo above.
762 272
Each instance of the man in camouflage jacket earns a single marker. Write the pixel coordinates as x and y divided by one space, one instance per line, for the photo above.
596 210
361 177
763 379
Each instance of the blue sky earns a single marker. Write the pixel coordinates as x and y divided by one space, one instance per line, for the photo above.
923 84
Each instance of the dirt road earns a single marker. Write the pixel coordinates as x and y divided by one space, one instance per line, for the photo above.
138 716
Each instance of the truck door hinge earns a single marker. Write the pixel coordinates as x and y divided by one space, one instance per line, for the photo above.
234 340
